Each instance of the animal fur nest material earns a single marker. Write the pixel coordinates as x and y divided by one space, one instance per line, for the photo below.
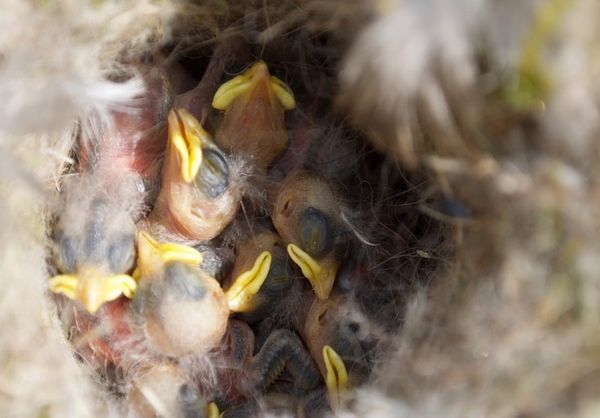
490 109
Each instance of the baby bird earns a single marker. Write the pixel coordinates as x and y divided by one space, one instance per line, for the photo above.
198 197
181 309
94 235
262 277
307 214
339 341
253 125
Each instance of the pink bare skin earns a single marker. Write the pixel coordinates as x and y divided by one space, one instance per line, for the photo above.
135 139
253 125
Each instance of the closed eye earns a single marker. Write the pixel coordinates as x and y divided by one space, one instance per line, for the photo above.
121 254
213 177
316 232
65 256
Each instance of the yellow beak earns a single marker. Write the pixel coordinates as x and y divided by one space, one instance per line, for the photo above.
93 289
247 82
241 293
213 411
153 254
337 376
320 275
187 136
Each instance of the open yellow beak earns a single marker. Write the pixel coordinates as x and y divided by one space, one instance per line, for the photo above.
246 83
240 295
320 277
187 136
152 253
337 376
93 290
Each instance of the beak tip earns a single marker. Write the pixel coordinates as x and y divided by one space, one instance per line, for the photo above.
260 69
91 308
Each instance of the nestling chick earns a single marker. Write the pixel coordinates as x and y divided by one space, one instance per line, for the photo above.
181 309
253 124
198 197
262 276
307 215
94 237
340 344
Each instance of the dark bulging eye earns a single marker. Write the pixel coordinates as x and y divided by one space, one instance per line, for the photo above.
213 178
66 256
182 279
316 232
121 254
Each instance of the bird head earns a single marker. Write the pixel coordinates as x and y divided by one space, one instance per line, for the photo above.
261 275
253 123
338 340
181 308
306 214
197 199
94 250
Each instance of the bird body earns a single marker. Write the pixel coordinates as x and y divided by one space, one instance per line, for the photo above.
181 309
94 235
133 139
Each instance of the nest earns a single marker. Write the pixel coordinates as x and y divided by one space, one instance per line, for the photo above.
461 137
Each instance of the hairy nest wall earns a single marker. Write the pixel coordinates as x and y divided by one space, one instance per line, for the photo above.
478 120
